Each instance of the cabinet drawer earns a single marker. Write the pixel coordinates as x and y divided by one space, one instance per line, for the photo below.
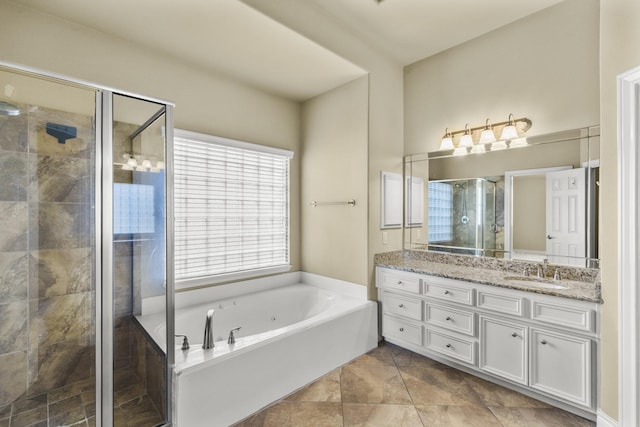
500 303
580 318
396 279
393 327
448 290
451 346
402 306
455 320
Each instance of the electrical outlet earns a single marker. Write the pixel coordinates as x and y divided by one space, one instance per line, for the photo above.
385 237
419 233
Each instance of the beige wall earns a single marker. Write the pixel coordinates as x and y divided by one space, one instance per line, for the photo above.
529 215
544 67
205 102
333 168
385 147
619 52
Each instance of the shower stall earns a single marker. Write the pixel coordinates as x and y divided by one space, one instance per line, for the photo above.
462 216
85 236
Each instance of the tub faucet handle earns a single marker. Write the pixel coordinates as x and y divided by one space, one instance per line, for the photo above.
232 338
185 342
207 342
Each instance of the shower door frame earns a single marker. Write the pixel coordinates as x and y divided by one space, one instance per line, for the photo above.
103 217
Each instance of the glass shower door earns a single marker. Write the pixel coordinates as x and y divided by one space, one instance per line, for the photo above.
47 251
139 260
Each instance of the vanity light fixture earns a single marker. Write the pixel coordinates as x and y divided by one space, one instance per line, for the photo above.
140 164
478 148
447 141
498 145
509 131
487 134
464 141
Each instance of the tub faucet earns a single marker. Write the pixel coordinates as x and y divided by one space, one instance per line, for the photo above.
232 338
207 342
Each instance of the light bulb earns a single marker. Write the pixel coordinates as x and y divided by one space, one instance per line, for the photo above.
160 164
146 164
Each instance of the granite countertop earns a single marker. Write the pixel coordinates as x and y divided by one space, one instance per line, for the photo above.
575 283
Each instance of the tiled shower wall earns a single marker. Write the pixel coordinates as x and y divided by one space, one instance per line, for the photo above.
47 284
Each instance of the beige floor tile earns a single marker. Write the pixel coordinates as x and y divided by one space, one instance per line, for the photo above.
495 395
438 385
404 357
538 417
373 384
380 355
297 414
456 416
370 415
326 389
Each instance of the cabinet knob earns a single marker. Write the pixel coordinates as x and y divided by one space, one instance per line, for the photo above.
401 329
447 318
447 292
401 305
543 342
448 345
399 282
513 334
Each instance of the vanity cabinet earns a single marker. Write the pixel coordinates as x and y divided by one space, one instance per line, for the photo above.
541 344
504 349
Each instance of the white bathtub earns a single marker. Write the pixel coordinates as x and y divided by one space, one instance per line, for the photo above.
295 328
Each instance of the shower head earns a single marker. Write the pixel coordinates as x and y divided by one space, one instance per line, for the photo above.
7 109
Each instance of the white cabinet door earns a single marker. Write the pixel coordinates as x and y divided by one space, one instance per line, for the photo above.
561 365
503 349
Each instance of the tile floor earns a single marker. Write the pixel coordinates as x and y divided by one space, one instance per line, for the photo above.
75 406
393 387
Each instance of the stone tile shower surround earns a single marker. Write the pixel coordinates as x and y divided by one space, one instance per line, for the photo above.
47 284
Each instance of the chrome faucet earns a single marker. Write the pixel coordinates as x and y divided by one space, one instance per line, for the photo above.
540 273
232 338
207 342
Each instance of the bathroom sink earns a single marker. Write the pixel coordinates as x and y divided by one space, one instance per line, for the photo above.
536 282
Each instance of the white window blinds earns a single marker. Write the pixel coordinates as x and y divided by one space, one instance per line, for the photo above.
231 206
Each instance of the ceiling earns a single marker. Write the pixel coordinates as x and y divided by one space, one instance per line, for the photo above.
230 38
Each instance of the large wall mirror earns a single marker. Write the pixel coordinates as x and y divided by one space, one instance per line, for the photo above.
534 202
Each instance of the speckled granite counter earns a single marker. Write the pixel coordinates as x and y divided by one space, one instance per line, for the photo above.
576 283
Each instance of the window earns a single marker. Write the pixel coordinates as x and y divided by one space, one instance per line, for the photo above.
231 209
133 212
440 212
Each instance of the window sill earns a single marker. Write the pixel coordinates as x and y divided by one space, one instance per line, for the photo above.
230 277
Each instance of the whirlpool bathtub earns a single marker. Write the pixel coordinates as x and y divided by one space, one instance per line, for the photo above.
294 328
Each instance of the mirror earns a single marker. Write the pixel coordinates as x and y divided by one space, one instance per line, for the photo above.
537 201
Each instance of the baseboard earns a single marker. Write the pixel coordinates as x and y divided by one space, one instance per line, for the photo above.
605 420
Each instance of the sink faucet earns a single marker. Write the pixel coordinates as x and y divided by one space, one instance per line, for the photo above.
207 342
540 273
